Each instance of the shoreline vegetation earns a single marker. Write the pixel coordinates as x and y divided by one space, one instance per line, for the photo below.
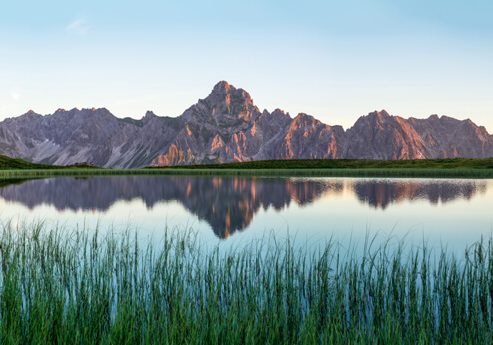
69 287
439 168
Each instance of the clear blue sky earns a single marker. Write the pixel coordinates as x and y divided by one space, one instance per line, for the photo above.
336 60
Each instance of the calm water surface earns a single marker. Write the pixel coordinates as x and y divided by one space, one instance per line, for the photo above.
232 211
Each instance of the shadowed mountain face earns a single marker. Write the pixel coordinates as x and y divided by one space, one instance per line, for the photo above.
227 204
226 126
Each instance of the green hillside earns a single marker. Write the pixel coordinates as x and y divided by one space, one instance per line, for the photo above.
17 163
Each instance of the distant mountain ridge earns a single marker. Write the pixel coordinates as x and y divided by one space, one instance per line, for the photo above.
226 126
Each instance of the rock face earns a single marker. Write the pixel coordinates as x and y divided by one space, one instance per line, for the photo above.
381 136
226 126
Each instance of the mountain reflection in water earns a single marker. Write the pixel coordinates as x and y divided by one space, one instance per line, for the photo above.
227 204
382 193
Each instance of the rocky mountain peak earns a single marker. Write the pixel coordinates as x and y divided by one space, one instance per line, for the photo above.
226 97
226 126
61 112
95 110
374 117
379 115
148 116
277 115
224 106
278 111
303 119
30 112
221 87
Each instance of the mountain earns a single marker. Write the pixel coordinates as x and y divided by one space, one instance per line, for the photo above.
226 126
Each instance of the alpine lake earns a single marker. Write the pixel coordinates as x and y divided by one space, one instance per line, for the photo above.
230 212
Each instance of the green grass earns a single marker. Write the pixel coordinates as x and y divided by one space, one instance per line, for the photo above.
71 288
371 172
455 163
9 163
446 168
17 163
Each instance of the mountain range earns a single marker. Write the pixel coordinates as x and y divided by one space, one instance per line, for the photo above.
226 126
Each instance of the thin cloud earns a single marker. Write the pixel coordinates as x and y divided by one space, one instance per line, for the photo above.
78 26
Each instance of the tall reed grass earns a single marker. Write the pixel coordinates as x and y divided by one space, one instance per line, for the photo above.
61 287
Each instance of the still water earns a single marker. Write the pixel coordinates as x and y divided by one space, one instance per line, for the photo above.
232 211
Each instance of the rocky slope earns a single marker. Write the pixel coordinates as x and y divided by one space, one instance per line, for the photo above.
226 126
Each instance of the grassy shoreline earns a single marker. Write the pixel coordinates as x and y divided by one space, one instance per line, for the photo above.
374 172
441 168
73 288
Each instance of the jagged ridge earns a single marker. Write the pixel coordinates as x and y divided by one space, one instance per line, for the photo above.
226 126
